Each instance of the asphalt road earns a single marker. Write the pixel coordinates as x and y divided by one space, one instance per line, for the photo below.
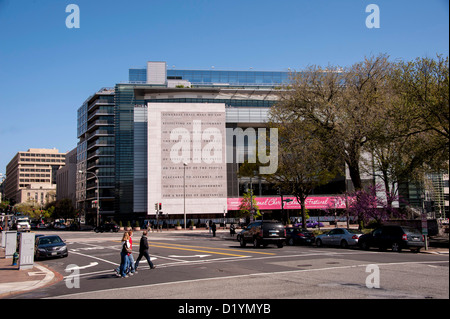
196 266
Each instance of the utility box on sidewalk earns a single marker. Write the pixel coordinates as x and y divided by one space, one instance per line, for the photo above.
10 243
3 239
26 253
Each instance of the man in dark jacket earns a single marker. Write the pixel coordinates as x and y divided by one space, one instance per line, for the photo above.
143 251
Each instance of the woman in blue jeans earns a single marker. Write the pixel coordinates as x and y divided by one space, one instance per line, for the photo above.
124 259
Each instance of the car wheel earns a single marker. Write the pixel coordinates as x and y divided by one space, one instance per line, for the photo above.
290 242
319 243
243 243
364 246
256 243
280 244
396 247
344 244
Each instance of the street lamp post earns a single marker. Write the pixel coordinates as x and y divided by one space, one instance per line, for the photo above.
98 194
184 193
287 200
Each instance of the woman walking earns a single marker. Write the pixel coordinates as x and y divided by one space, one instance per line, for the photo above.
121 271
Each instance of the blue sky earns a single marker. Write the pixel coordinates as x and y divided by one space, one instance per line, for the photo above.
48 70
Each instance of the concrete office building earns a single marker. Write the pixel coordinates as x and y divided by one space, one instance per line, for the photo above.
66 178
31 175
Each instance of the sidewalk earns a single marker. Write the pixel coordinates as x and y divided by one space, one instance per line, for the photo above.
14 281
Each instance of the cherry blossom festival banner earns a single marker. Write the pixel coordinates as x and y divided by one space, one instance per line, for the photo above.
274 203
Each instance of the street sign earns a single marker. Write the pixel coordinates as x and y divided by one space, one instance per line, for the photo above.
424 224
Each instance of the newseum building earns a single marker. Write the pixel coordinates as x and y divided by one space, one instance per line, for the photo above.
175 139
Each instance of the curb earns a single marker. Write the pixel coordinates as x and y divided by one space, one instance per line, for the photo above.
14 288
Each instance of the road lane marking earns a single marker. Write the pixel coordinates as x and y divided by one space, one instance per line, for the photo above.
202 247
119 248
97 258
82 267
197 250
189 248
227 249
189 256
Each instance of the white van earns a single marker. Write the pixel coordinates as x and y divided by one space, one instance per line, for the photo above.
22 224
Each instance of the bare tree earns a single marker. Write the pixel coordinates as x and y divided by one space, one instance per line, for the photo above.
303 163
340 105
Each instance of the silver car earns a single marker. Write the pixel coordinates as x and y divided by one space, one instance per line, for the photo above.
339 237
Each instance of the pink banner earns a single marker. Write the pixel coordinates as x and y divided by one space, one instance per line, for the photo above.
273 203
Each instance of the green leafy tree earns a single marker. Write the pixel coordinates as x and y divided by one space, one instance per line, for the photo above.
304 162
246 205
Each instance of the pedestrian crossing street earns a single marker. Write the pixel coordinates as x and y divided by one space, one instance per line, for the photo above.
103 253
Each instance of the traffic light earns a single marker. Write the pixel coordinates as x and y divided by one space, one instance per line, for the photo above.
160 206
156 206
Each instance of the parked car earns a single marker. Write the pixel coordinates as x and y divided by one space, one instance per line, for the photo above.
263 233
108 227
50 246
310 224
297 235
59 225
396 238
342 237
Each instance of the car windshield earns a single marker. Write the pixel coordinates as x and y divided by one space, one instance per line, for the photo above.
354 231
411 230
272 224
50 240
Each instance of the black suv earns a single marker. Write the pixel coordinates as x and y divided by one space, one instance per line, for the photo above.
108 227
394 237
263 233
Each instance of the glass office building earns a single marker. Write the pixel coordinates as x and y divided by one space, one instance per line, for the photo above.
113 129
96 153
217 77
245 95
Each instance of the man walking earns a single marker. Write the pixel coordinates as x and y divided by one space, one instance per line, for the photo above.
143 252
214 228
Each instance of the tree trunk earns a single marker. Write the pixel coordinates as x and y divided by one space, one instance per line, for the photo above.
355 175
303 205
